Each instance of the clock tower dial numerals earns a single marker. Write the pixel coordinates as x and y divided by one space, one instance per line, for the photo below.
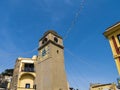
44 53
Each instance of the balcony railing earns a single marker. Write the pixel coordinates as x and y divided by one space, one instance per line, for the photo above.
21 88
28 70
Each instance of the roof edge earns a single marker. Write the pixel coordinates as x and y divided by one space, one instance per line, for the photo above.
111 29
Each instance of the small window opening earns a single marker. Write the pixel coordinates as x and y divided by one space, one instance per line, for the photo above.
57 51
34 86
44 40
55 39
27 85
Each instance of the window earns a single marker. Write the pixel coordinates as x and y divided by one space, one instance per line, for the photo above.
57 51
44 41
34 86
27 85
118 36
55 39
29 67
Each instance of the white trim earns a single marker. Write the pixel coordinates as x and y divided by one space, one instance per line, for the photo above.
27 61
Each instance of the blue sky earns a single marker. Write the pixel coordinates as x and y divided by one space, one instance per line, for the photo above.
88 56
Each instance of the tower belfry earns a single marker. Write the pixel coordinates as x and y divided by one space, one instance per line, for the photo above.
50 69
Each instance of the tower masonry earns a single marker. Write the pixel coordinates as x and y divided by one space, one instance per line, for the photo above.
50 69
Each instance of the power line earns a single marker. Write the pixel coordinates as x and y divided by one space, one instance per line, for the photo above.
83 78
83 61
7 65
24 53
74 80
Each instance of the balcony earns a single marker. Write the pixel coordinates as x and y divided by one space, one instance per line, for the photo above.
28 67
20 88
28 70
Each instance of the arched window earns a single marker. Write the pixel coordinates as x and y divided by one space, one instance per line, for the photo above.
55 39
44 41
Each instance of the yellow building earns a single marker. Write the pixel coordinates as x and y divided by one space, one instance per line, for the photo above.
24 74
110 86
113 35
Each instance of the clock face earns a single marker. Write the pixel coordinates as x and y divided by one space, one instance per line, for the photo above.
44 52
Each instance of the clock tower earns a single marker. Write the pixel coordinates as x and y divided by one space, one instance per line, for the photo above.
50 64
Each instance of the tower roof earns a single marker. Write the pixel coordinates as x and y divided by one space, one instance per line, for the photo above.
51 31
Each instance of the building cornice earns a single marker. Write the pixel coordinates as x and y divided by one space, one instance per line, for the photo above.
112 29
102 85
50 41
50 31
